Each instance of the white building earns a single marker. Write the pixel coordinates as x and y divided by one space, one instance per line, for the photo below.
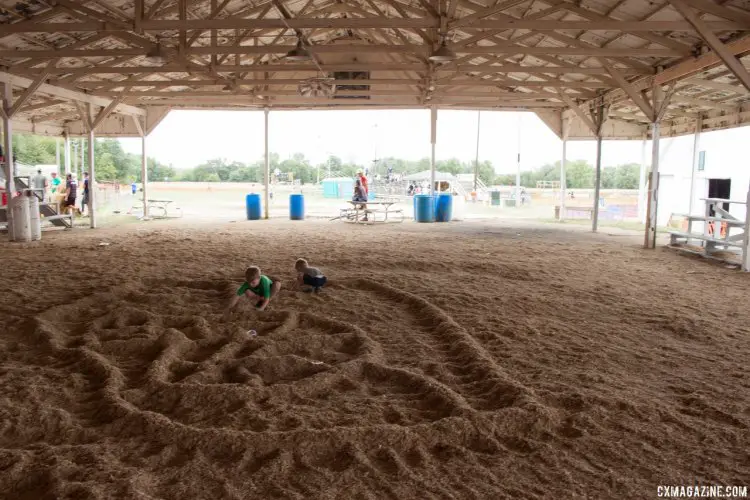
723 171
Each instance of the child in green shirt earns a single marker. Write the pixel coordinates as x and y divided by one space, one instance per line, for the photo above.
258 287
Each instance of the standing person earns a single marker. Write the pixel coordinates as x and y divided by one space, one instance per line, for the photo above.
85 197
39 184
71 190
133 188
55 183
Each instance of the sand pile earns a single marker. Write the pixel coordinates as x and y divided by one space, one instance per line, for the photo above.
470 362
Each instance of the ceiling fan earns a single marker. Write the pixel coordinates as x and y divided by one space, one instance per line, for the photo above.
317 87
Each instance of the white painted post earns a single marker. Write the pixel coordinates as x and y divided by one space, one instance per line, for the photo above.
83 163
597 184
75 158
562 177
746 239
642 184
67 156
654 194
267 165
518 163
433 140
92 181
144 175
696 147
10 168
476 157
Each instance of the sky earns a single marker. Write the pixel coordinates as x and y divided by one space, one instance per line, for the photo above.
188 138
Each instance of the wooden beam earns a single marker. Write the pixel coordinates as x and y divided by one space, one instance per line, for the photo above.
723 87
155 7
480 14
369 22
355 66
578 111
711 7
677 99
72 95
137 122
28 92
701 63
57 116
85 116
344 49
104 113
372 82
138 16
79 10
632 93
702 28
41 105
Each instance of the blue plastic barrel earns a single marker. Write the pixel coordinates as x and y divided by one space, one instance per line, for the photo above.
424 208
443 207
296 206
252 205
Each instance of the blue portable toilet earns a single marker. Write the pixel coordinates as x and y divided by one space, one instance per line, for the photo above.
338 187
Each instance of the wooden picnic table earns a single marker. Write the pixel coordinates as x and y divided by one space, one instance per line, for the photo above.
371 212
162 205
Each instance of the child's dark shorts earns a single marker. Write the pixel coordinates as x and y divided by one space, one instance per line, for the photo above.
314 281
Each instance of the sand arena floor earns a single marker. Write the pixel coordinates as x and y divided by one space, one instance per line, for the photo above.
469 360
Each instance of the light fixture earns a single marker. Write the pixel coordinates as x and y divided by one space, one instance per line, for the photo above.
156 54
442 54
298 53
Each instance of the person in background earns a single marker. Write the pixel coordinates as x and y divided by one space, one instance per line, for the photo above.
85 197
39 185
71 190
363 180
55 183
133 188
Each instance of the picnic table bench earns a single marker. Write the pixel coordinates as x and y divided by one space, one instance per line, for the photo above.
371 212
162 205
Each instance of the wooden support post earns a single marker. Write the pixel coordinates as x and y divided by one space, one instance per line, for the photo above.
476 157
653 201
696 147
144 175
599 115
67 155
10 167
433 140
563 162
92 181
642 184
266 166
518 161
648 211
562 177
746 240
597 184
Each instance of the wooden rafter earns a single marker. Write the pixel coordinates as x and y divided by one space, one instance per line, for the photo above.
702 28
633 93
579 112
